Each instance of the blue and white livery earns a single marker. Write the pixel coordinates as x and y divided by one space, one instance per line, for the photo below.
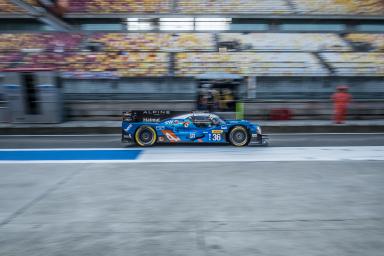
146 128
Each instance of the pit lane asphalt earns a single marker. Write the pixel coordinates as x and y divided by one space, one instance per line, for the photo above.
193 209
208 209
113 141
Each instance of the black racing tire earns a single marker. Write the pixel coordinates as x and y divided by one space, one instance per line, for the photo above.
145 136
239 136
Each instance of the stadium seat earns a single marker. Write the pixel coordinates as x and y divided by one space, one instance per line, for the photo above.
375 40
8 60
233 6
154 41
127 65
362 7
109 6
343 7
355 63
191 42
249 63
40 41
147 54
49 60
287 41
8 7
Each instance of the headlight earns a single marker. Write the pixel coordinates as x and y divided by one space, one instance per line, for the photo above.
258 130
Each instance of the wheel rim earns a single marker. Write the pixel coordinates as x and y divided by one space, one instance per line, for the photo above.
146 136
239 136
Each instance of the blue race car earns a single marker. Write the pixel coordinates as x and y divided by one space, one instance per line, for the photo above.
145 128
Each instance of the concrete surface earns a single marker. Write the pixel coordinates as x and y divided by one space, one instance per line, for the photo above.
114 141
105 127
192 155
264 208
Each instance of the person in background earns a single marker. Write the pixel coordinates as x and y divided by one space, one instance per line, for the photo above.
210 101
341 98
202 102
229 99
216 100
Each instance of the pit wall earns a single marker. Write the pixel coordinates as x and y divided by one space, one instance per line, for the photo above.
304 98
311 109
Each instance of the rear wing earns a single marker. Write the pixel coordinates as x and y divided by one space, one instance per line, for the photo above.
149 116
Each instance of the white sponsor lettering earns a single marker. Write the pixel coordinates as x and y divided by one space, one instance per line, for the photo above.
128 127
151 120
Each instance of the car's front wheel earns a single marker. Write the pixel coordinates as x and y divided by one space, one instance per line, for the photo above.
145 136
239 136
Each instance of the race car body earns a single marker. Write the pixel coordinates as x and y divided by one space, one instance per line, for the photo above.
145 128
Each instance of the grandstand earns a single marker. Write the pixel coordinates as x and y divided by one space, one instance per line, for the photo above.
39 41
155 41
249 64
325 7
7 6
314 43
144 6
287 42
136 54
362 7
356 63
234 6
376 41
134 64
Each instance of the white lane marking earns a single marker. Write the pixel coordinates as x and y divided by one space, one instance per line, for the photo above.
274 154
230 154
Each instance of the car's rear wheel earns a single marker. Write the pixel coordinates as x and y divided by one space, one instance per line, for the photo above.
239 136
145 136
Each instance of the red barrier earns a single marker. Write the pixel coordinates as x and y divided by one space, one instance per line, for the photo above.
280 114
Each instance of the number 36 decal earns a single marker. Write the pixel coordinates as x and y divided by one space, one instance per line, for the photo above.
215 137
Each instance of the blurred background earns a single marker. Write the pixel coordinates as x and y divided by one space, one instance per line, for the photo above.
68 69
91 60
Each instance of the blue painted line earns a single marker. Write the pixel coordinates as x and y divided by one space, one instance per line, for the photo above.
52 155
